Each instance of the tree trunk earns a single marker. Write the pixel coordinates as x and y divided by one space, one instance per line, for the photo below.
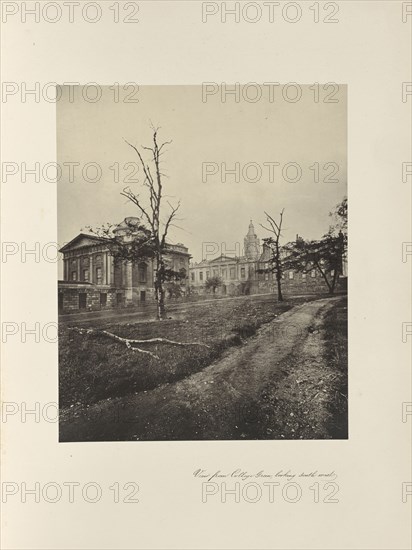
279 283
278 272
280 296
159 290
160 300
162 309
330 288
335 276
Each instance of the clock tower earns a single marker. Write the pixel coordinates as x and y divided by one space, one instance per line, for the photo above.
252 244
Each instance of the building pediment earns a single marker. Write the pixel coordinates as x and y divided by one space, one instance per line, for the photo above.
223 258
82 240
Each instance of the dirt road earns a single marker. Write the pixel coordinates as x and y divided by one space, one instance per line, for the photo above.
221 402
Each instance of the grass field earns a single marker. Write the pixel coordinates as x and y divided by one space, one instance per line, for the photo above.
336 356
93 367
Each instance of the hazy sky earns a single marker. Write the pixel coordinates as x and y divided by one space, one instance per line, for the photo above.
218 132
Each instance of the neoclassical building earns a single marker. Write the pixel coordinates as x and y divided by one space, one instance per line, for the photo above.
240 274
92 280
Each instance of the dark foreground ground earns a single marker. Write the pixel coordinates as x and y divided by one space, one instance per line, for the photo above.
270 371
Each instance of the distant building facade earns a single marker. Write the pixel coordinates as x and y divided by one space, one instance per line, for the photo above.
93 281
240 275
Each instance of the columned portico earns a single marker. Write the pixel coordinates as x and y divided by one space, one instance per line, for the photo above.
90 272
105 270
110 273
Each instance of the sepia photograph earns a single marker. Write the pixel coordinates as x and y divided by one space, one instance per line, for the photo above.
203 273
202 205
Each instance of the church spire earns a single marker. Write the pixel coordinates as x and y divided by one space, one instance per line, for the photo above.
252 245
251 228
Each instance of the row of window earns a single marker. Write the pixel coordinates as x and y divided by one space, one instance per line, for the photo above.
312 274
223 274
142 274
86 275
291 274
85 260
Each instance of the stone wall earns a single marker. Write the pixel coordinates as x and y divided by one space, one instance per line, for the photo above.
71 301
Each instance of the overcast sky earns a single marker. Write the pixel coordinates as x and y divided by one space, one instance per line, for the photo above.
304 132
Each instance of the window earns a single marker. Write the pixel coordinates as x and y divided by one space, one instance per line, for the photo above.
85 275
303 275
313 273
224 273
266 276
290 274
142 273
200 275
74 263
99 275
74 275
207 274
82 300
215 272
103 299
117 275
332 273
192 276
232 272
242 272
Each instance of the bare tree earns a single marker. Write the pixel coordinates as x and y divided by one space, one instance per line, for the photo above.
152 215
273 243
147 239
